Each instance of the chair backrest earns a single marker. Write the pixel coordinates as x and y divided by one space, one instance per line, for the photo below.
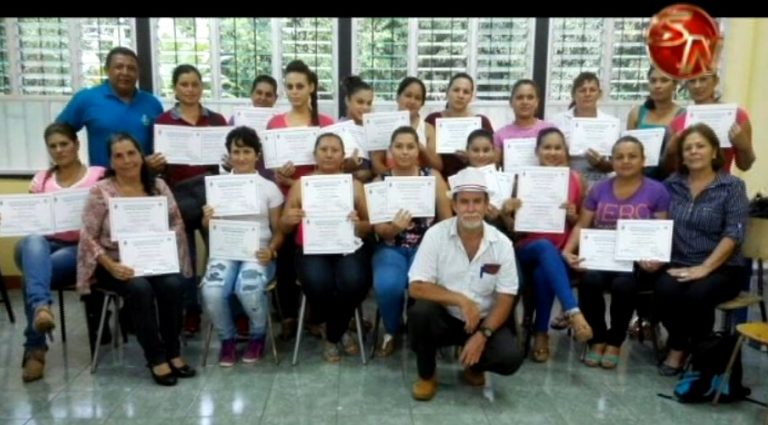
756 241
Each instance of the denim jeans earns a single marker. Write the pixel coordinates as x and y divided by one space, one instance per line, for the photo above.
44 264
248 281
390 281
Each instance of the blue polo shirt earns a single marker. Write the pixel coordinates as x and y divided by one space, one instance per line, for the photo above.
103 113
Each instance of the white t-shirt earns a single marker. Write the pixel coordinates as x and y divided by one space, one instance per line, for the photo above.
269 197
442 259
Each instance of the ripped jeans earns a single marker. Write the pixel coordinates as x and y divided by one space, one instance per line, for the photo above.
248 281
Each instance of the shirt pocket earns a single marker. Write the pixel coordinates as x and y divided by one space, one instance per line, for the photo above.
707 219
485 285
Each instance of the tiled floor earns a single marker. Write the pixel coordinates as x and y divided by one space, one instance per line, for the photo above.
562 391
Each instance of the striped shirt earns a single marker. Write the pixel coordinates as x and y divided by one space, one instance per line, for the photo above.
719 211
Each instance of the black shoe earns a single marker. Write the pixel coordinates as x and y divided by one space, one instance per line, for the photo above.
167 380
185 371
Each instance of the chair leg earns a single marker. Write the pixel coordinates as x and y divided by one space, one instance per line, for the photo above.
375 333
116 324
300 329
727 373
7 301
271 332
360 335
104 306
207 344
62 318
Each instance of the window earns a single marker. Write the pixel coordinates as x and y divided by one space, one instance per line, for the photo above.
442 51
576 45
381 53
312 41
5 81
44 56
629 60
180 41
504 55
246 51
97 37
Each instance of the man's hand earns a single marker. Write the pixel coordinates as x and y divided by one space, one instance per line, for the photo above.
471 314
473 350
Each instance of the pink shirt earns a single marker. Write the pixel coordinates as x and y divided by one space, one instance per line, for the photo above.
514 131
44 183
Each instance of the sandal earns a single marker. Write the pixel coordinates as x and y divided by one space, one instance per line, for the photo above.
610 361
559 323
581 329
593 358
540 352
349 342
331 352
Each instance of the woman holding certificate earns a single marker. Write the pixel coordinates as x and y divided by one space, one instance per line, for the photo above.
108 236
628 195
358 98
189 112
709 208
539 253
400 236
524 101
240 267
44 260
591 163
331 214
301 89
461 90
734 130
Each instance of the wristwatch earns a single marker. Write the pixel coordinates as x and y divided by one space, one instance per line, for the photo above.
486 331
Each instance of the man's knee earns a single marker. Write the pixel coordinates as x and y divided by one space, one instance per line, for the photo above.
507 356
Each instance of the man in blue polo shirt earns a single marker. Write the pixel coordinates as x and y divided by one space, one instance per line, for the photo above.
116 105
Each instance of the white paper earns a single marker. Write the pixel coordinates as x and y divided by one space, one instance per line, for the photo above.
327 194
652 140
296 145
644 240
719 116
232 194
133 215
256 118
598 134
352 136
150 254
505 182
22 215
414 194
376 201
328 234
452 133
379 127
519 153
542 191
234 239
68 206
597 248
191 145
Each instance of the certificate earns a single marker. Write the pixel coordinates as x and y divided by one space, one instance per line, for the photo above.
131 215
376 201
234 240
296 145
22 215
598 134
379 127
519 153
232 194
191 145
639 240
597 248
413 194
352 136
452 133
328 234
719 116
68 208
256 118
326 194
505 183
542 191
150 254
652 140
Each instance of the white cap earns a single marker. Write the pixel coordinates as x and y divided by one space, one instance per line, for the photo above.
469 179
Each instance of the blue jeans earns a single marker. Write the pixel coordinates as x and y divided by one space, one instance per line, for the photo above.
550 280
390 281
248 281
43 263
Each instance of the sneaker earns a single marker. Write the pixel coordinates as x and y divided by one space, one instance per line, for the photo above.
228 354
191 323
255 350
387 346
424 389
33 364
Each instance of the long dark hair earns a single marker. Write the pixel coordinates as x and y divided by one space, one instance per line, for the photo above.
57 128
302 68
147 179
